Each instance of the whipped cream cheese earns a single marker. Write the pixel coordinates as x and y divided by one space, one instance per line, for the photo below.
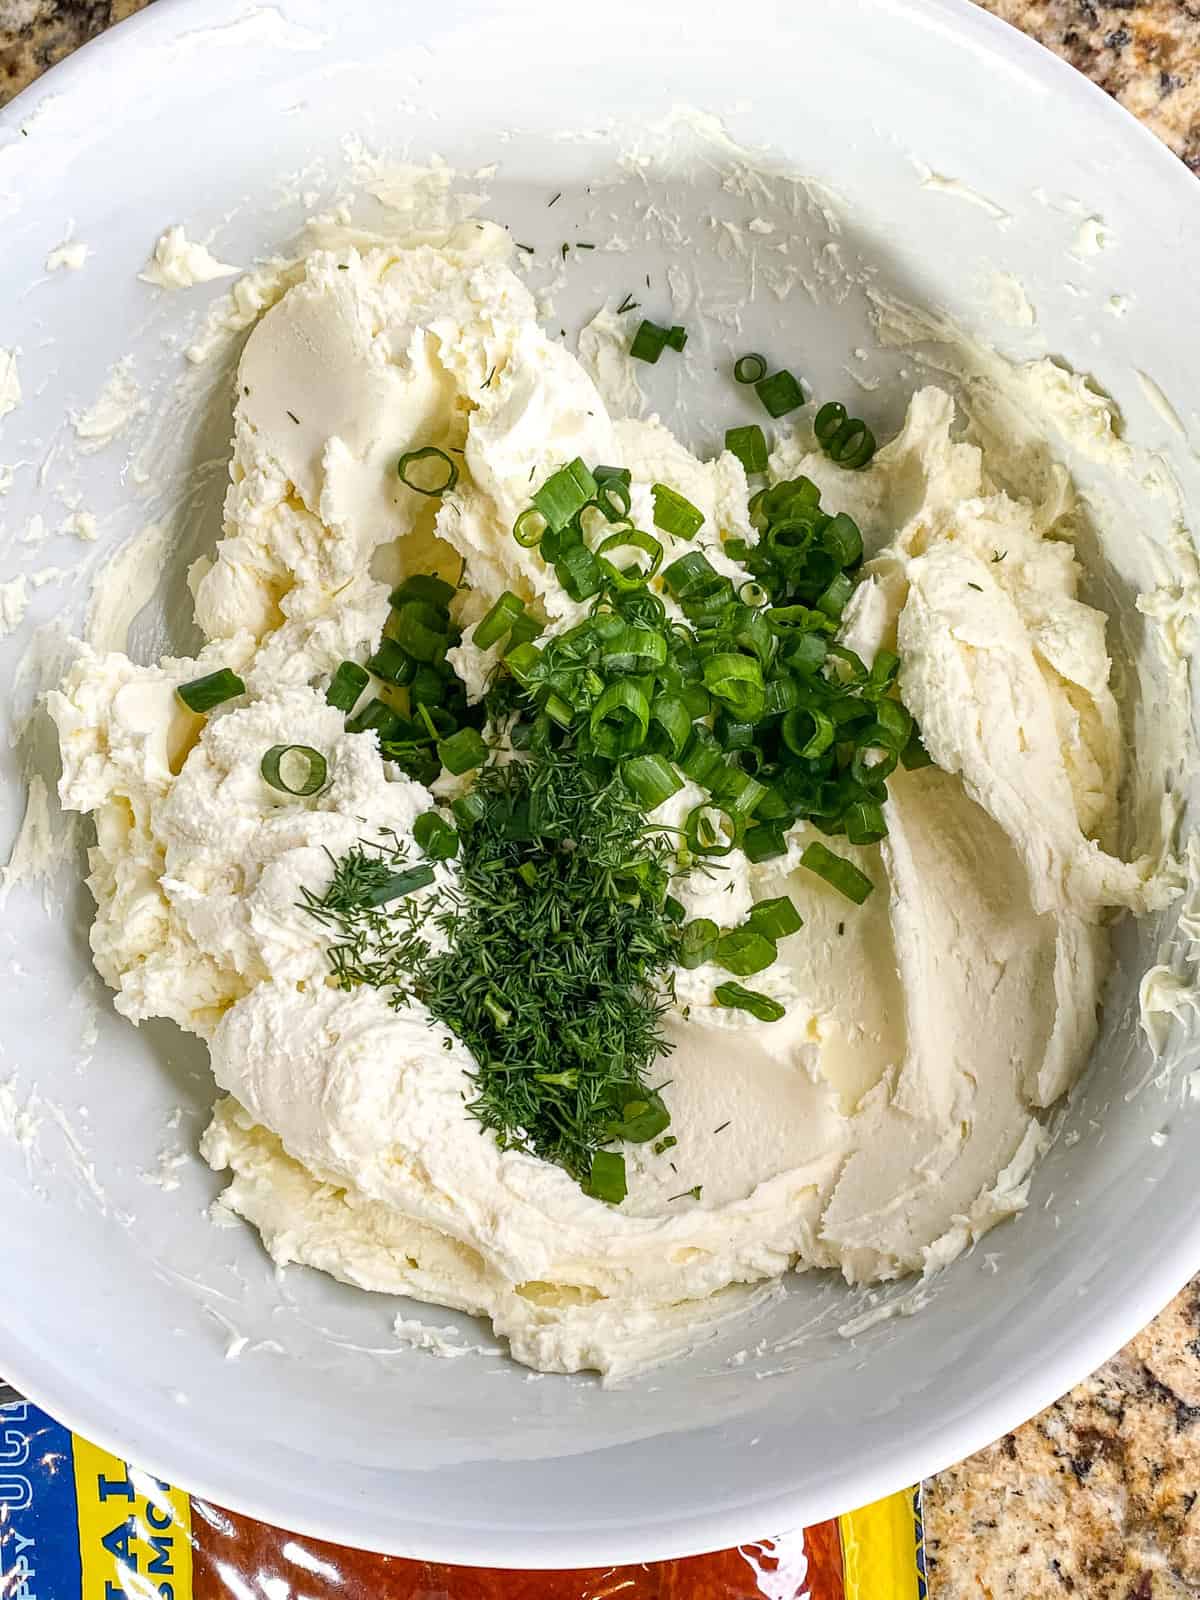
10 382
886 1122
178 262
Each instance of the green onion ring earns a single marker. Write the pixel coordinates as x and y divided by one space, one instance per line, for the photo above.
620 719
707 843
529 528
316 769
630 539
750 368
429 453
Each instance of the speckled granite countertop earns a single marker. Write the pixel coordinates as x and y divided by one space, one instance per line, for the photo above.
1099 1496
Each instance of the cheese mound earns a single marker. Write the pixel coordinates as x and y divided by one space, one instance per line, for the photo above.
887 1121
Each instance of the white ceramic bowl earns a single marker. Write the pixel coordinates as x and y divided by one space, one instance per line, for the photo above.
122 1301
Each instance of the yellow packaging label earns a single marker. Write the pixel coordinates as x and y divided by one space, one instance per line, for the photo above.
882 1552
134 1532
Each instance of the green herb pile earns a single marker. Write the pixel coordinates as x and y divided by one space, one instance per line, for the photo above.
558 952
561 930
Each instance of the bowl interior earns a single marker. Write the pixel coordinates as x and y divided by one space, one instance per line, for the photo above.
288 1395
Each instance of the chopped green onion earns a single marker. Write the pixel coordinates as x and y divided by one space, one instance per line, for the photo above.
558 710
773 807
808 654
428 686
744 951
524 661
565 493
462 751
742 999
606 1180
392 663
631 539
843 875
579 572
764 842
782 694
649 342
435 836
347 683
429 480
749 445
736 790
775 919
424 586
400 883
883 671
677 337
853 667
499 620
832 600
807 732
202 694
524 629
674 514
670 712
846 440
702 756
914 756
420 629
620 719
841 537
375 717
780 393
468 809
750 368
736 680
710 831
634 649
652 779
605 475
613 494
865 823
529 527
827 421
894 723
691 575
698 942
295 769
697 700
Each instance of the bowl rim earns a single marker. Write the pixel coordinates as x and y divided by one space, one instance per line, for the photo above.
923 1452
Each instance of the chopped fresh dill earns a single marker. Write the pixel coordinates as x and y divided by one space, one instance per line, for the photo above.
553 979
628 304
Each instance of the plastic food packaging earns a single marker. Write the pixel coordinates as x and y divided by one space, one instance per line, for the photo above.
77 1523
